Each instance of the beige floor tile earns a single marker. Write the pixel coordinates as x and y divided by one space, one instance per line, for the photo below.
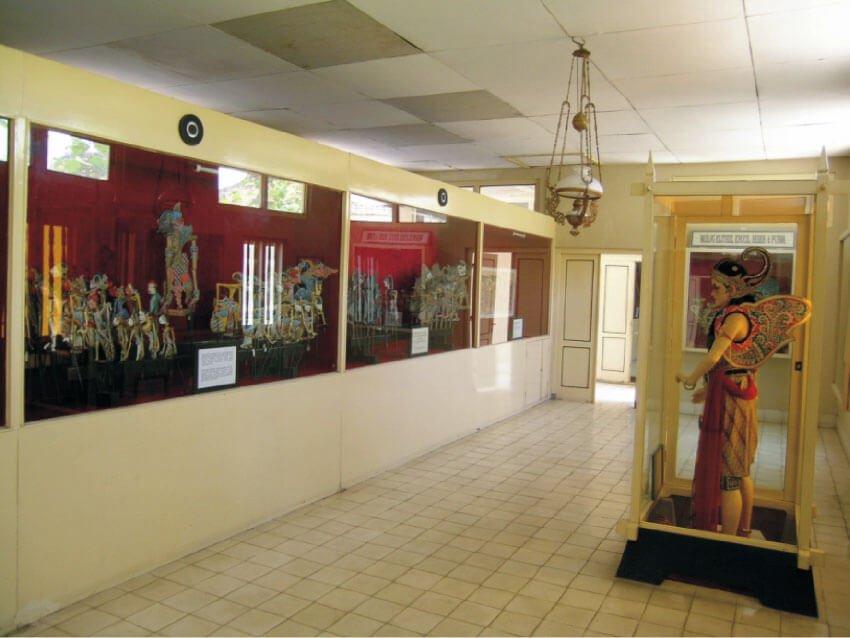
740 629
715 608
707 625
416 620
515 623
453 587
122 628
88 622
189 600
529 605
453 627
318 615
671 600
758 617
251 595
291 628
366 584
219 585
156 617
613 625
582 599
190 626
221 611
125 605
474 613
193 574
354 625
255 621
159 590
436 603
645 628
495 598
343 599
377 609
283 605
666 616
622 607
570 616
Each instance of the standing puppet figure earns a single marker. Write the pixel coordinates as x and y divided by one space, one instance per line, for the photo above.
181 270
743 335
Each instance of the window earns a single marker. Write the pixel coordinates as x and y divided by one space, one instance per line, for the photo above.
239 188
518 194
77 156
411 215
366 209
284 195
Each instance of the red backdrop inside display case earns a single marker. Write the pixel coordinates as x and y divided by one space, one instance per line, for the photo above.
4 225
110 227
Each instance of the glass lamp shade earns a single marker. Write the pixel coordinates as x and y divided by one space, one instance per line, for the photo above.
574 187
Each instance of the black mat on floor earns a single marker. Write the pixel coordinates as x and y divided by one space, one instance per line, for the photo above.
770 576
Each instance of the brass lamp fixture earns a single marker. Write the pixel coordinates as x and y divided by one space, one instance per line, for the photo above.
580 187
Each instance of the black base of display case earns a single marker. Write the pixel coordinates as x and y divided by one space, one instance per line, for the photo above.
771 576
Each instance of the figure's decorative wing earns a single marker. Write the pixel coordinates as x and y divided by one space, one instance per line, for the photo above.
772 320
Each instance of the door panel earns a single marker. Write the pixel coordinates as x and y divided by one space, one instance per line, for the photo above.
576 322
616 312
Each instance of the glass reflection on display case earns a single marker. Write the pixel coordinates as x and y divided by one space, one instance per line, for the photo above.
410 282
152 276
514 285
4 226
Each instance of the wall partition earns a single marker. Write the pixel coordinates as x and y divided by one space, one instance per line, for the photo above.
4 226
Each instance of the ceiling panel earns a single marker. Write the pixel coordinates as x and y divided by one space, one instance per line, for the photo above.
286 120
42 26
358 114
319 35
804 34
454 107
715 117
829 109
788 141
206 12
690 89
690 48
583 18
439 25
503 128
810 79
398 77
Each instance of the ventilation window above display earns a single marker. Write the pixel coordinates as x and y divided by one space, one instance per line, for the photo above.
518 194
285 195
77 156
239 188
411 215
366 209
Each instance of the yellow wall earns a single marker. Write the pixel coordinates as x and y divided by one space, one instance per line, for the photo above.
87 501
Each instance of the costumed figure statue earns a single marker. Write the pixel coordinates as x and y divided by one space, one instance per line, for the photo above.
99 320
150 333
743 335
181 269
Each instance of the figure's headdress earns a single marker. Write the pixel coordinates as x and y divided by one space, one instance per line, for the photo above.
734 276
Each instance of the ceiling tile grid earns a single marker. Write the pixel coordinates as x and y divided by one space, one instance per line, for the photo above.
437 84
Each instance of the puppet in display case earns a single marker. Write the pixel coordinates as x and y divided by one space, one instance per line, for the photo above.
379 315
744 333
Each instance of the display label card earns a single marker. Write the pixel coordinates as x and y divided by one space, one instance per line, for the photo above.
517 328
419 341
216 367
743 239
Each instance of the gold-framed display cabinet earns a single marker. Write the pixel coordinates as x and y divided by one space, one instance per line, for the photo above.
690 225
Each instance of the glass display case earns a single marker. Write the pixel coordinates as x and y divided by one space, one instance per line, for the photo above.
755 537
153 276
410 282
514 285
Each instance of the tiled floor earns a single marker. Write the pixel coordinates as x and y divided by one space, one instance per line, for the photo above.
507 532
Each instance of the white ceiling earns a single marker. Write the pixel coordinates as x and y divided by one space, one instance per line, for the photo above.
454 84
